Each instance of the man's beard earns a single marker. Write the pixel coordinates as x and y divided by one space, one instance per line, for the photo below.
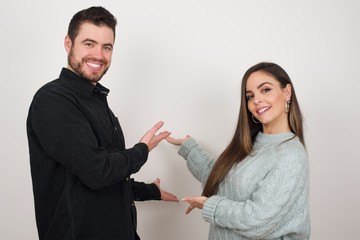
77 67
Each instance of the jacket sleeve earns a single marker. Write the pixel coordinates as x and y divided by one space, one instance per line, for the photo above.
142 191
62 131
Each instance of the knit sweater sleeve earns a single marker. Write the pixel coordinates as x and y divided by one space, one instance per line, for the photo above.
198 160
271 205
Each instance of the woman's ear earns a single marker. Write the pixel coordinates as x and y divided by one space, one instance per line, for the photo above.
67 43
287 91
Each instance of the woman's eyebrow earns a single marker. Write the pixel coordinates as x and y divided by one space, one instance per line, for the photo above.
262 84
258 87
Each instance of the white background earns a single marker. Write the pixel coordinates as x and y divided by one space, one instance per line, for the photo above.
182 62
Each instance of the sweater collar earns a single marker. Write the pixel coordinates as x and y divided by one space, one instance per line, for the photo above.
274 138
82 83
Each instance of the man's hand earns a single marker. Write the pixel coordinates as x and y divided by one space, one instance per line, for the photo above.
151 139
165 196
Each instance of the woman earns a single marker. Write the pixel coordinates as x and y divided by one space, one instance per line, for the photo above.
258 187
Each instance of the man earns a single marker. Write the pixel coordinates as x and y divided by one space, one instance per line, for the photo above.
79 165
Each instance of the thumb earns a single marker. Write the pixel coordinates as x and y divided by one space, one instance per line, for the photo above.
157 182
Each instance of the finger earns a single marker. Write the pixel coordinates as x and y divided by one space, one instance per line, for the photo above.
175 199
173 141
164 135
189 209
189 200
169 197
172 198
157 182
156 127
157 139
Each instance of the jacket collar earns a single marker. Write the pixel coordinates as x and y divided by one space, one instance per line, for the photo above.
82 83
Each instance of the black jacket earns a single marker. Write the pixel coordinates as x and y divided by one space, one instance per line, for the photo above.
79 165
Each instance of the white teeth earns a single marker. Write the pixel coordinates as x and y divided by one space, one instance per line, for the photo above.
262 110
94 65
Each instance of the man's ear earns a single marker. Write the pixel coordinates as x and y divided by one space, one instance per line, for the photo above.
67 43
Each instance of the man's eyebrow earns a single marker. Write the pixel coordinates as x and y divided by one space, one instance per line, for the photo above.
93 41
89 40
108 45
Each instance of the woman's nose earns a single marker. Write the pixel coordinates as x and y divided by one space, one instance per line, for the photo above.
257 100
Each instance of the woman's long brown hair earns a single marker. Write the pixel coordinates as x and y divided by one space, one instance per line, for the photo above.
241 144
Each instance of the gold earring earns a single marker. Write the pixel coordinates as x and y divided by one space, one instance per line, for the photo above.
287 106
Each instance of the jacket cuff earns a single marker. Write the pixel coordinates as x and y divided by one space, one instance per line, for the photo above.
156 191
186 147
144 192
208 212
143 149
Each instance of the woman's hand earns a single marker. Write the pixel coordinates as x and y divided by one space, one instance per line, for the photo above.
177 141
195 202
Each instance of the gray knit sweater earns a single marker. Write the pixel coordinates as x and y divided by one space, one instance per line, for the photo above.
263 197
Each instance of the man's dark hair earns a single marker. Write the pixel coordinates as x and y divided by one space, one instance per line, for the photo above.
95 15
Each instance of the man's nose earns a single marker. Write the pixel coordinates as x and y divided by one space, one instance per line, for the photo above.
97 52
